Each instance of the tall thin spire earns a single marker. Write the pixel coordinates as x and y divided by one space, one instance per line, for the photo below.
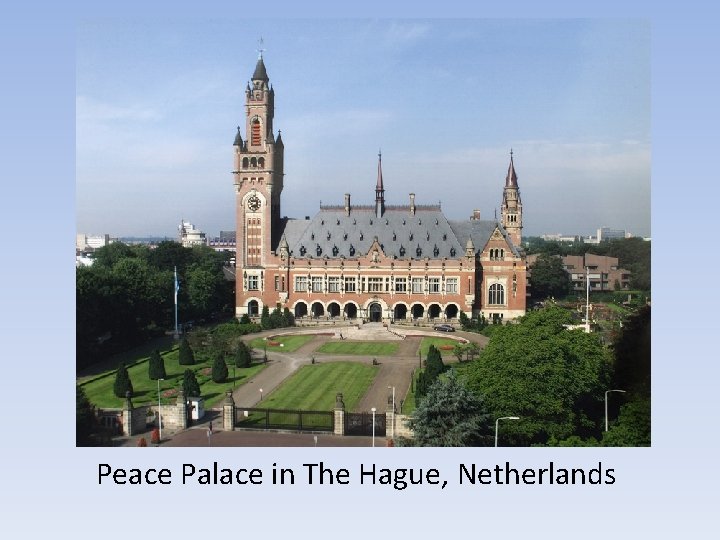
379 189
511 180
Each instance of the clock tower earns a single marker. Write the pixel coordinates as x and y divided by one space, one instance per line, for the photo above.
258 177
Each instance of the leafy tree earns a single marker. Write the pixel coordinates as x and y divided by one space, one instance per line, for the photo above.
459 351
553 378
203 286
548 277
245 319
451 415
265 318
632 354
632 427
123 384
107 256
186 356
84 418
190 384
243 356
219 370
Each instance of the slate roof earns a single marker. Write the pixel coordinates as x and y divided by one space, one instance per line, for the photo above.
334 234
260 71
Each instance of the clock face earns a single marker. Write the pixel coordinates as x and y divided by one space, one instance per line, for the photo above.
253 203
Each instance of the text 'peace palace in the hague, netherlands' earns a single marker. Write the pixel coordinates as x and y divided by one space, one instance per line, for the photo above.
378 262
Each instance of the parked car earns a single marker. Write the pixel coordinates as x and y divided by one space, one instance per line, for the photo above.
444 328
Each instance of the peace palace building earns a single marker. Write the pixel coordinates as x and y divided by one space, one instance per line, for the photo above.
377 262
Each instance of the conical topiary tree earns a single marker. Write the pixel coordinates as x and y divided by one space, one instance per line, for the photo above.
156 366
190 385
242 356
265 318
186 358
219 370
122 382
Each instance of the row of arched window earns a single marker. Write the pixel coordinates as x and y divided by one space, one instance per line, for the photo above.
253 162
497 254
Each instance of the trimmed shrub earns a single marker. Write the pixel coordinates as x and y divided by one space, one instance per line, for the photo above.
242 356
265 318
123 384
190 384
156 366
219 370
186 355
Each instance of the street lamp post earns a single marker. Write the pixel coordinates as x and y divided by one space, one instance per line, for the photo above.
261 394
606 405
159 414
392 433
497 422
373 426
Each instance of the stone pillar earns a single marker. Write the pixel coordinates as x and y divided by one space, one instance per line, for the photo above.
229 412
127 415
182 410
339 415
390 433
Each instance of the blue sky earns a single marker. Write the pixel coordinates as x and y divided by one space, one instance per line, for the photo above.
158 105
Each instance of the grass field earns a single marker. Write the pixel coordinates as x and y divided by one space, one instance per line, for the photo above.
314 387
99 389
367 348
438 342
285 344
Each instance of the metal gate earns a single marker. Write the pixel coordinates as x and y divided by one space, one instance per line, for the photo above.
362 424
291 419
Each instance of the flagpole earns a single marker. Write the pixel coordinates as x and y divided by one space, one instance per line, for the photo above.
177 334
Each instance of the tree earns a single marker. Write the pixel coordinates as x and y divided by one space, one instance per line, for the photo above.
265 318
84 418
202 289
553 378
190 384
632 427
186 356
276 319
632 354
242 355
548 277
288 319
156 366
123 384
434 365
219 370
451 415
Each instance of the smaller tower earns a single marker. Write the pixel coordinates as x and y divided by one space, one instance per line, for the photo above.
379 190
511 210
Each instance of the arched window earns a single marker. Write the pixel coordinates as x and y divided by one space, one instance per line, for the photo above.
261 162
496 295
255 132
253 162
245 163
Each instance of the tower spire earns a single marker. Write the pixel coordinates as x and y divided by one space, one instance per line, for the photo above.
511 179
379 189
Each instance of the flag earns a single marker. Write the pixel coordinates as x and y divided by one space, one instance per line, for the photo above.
177 284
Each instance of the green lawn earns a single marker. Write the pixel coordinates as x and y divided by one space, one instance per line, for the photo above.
314 387
99 389
288 344
409 399
438 342
367 348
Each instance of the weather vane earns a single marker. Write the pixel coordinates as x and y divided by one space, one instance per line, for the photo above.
260 48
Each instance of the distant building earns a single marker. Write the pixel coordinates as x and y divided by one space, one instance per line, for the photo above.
190 235
560 238
604 272
225 242
84 242
606 233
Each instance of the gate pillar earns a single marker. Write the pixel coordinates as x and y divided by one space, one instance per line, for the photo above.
339 427
229 412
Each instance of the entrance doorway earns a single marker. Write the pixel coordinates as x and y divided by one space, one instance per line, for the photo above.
375 311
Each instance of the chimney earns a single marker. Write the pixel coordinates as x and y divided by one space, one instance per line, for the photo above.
412 204
475 215
347 204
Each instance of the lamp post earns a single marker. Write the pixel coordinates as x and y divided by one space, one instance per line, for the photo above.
392 433
261 394
159 414
606 401
497 422
373 426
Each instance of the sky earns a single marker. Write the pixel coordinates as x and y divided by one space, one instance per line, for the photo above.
158 105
